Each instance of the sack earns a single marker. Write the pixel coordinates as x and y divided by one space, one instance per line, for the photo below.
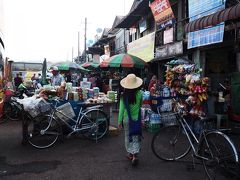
135 128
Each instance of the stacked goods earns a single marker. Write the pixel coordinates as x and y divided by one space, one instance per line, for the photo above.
184 79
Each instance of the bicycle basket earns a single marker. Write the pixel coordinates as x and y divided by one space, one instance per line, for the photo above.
44 106
67 110
169 119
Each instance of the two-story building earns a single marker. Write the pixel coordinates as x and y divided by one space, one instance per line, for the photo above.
1 39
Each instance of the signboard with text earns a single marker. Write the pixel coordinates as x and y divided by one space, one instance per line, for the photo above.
143 47
169 50
206 36
212 35
168 36
162 13
200 8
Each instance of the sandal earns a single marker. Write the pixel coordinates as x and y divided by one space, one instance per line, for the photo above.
134 161
129 157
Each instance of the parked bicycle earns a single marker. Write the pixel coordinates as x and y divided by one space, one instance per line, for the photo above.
10 111
44 131
216 150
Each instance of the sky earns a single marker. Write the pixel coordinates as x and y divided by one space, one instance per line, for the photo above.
38 29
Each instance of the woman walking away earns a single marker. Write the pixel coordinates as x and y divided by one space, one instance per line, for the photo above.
129 116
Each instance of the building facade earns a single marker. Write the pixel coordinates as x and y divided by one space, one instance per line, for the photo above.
1 38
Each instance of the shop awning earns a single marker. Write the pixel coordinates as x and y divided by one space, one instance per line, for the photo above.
95 50
214 19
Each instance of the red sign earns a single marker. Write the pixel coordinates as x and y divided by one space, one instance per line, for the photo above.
162 11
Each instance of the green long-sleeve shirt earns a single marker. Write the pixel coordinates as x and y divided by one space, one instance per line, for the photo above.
134 108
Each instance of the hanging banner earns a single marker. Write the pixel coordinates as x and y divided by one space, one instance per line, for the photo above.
168 36
169 50
206 36
162 13
200 8
143 47
212 35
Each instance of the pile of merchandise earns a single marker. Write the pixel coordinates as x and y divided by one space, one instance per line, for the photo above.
185 80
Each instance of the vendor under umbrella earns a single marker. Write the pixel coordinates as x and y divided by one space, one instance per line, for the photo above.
57 78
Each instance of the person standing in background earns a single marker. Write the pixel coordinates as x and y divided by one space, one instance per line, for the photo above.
152 82
129 116
57 78
17 81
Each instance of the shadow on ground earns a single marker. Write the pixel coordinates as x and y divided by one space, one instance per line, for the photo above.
31 167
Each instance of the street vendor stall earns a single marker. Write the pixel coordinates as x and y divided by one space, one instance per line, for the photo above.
77 97
183 81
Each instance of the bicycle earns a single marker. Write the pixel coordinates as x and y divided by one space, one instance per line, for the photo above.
216 150
10 111
44 131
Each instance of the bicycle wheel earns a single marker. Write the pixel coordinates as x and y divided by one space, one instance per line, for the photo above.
11 112
221 156
43 132
170 143
3 119
95 124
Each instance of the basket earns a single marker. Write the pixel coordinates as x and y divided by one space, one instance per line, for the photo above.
44 106
169 118
67 110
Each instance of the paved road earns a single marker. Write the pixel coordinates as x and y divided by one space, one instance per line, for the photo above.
77 158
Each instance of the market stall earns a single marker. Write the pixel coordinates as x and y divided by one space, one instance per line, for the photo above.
183 82
78 97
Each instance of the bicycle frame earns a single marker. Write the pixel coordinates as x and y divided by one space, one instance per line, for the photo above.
74 128
188 131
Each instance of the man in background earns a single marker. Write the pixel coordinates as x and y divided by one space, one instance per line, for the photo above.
17 81
57 78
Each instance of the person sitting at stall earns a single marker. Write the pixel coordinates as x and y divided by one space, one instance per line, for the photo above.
68 77
152 82
57 78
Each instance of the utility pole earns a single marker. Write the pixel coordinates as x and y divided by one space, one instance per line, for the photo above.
85 40
78 46
72 55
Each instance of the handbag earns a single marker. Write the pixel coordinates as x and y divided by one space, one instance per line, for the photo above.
135 126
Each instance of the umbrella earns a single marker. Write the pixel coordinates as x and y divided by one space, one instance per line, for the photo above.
105 62
90 65
123 60
65 66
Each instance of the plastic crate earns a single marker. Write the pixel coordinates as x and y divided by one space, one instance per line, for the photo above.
153 128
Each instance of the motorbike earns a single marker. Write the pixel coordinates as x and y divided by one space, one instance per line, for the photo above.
23 90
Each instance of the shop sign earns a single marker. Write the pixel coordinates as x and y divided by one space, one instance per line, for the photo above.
212 35
206 36
143 47
162 13
200 8
168 36
169 50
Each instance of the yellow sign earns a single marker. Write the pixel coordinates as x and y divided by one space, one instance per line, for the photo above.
143 47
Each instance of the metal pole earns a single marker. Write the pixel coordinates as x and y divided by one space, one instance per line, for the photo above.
85 40
78 46
72 55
